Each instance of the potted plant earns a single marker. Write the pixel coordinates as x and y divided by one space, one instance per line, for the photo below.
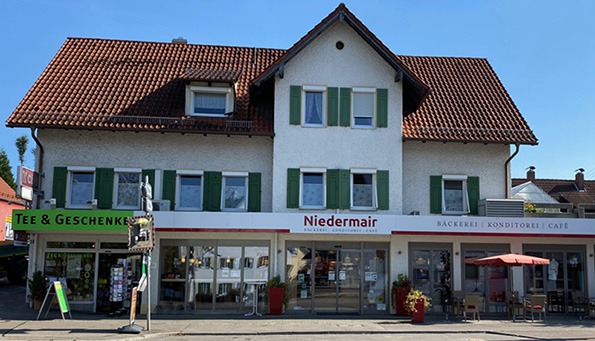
416 304
277 295
399 292
37 288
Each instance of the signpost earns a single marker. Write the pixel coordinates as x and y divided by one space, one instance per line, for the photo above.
27 183
141 237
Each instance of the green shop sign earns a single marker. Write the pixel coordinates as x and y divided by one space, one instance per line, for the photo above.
70 220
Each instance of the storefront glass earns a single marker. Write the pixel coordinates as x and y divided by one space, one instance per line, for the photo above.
74 269
563 280
431 267
213 275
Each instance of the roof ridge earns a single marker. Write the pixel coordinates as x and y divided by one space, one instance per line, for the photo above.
170 43
441 57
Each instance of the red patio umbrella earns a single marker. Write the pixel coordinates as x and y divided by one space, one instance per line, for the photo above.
511 259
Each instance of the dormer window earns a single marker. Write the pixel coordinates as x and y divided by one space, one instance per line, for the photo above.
213 101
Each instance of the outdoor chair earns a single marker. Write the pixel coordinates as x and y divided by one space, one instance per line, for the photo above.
471 305
514 304
580 303
555 300
458 297
536 304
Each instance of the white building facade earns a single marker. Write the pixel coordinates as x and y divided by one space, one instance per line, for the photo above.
354 179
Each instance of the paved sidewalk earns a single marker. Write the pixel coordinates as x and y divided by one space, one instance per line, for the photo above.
97 327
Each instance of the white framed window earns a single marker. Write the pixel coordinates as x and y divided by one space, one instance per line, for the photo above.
235 191
363 189
209 101
363 107
314 106
81 187
127 188
312 188
455 199
189 190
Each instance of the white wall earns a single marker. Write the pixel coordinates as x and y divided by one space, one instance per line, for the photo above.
321 63
158 151
421 160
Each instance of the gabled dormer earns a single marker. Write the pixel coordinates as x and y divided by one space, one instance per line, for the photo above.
210 93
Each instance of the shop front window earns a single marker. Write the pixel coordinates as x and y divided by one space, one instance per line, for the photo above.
173 274
75 270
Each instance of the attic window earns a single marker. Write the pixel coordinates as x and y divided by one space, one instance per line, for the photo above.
212 101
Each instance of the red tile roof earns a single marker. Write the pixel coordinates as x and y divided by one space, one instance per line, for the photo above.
467 102
6 192
126 85
129 85
564 191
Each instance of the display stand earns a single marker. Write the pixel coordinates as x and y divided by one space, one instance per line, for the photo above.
59 294
255 286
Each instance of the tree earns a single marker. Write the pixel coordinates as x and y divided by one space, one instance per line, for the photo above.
6 169
21 144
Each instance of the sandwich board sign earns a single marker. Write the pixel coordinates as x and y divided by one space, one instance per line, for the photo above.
56 292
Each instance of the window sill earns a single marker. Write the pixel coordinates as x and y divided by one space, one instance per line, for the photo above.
363 209
363 127
209 115
312 208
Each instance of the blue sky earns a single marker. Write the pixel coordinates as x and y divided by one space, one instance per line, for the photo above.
542 50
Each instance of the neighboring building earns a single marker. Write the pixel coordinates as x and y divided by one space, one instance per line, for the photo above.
13 261
335 164
575 196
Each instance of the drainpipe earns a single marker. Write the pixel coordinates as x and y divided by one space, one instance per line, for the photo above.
507 173
39 164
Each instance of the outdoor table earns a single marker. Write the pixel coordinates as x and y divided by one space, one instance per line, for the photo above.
255 285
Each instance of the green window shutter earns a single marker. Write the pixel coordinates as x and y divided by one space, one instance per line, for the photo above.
104 187
332 188
473 193
169 188
295 104
254 181
345 107
345 189
332 109
436 194
212 182
382 189
293 188
151 174
59 186
382 108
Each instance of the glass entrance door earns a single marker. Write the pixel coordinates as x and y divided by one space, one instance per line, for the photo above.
431 275
337 281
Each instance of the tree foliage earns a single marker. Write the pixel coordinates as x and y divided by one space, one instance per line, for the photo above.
21 144
6 169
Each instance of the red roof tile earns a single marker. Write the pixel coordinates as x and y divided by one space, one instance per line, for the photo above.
126 85
6 192
467 102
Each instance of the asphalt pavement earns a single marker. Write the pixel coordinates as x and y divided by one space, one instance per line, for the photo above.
18 322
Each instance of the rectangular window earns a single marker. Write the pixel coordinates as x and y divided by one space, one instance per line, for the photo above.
81 191
210 101
235 193
454 195
312 190
314 105
127 189
190 192
364 100
363 191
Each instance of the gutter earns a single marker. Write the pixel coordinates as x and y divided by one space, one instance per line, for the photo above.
507 176
39 165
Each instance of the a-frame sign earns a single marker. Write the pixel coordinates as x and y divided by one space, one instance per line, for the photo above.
57 291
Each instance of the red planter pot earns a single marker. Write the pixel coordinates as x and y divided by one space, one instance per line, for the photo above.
418 316
401 296
275 301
